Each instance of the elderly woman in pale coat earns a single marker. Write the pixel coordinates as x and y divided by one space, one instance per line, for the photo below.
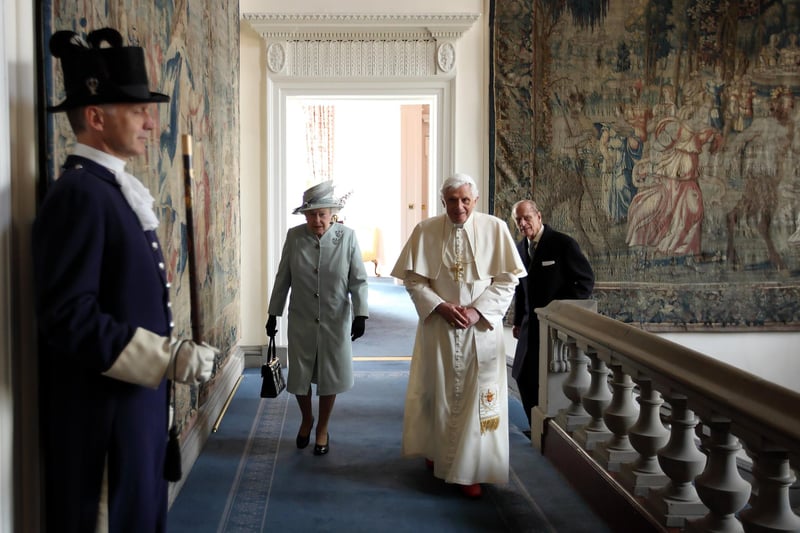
321 262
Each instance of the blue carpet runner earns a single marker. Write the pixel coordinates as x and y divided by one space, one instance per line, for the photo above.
250 476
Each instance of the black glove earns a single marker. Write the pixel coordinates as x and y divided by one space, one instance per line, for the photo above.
272 326
357 329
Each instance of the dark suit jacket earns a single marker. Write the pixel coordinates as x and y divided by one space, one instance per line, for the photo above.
558 271
521 303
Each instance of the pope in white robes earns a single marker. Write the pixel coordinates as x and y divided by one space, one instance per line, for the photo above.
460 269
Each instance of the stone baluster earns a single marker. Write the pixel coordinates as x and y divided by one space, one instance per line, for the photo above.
770 509
574 416
619 416
559 358
595 401
681 461
648 435
720 486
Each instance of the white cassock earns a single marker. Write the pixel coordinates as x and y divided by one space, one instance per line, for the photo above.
456 410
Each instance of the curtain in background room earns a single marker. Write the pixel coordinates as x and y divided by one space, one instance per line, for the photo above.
320 140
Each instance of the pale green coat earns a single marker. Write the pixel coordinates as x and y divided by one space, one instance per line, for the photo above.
324 275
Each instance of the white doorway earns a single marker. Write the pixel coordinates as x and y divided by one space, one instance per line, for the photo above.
379 153
358 56
380 199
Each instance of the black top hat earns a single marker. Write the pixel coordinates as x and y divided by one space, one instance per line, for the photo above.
96 74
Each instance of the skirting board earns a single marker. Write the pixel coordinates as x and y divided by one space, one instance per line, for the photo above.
193 441
254 355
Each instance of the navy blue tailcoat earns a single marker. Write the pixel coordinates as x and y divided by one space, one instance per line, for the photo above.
98 277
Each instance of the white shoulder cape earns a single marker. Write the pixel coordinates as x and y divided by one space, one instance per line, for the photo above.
494 248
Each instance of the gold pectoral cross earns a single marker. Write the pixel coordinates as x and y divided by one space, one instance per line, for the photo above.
457 270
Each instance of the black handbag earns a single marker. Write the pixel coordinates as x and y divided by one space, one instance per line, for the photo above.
272 376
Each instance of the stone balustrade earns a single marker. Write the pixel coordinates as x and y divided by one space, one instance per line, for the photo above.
699 444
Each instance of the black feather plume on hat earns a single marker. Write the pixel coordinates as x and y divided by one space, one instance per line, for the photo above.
100 70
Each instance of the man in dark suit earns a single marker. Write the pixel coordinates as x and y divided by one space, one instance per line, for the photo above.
557 270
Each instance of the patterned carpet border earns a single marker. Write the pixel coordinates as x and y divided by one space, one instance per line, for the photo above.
246 509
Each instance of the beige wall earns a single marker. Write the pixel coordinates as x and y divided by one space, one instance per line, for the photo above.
252 189
6 399
773 356
470 137
18 373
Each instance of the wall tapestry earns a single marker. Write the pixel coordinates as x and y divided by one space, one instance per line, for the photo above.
663 136
192 54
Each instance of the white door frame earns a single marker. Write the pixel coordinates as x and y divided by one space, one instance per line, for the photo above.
438 94
363 55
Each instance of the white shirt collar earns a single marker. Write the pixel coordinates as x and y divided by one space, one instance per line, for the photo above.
134 191
105 159
538 236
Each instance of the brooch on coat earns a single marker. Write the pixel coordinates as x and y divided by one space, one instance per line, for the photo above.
338 236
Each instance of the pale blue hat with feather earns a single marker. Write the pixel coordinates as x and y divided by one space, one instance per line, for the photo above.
319 196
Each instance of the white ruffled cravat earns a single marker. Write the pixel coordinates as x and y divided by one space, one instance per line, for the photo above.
134 191
139 198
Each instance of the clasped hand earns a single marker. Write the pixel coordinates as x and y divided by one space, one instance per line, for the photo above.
458 316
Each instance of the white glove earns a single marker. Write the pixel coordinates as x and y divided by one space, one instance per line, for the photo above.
191 362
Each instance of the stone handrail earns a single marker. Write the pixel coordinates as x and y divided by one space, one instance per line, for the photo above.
684 472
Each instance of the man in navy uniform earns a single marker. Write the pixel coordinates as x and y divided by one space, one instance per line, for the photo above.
102 303
557 270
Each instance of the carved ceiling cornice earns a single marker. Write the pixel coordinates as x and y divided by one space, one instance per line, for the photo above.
361 26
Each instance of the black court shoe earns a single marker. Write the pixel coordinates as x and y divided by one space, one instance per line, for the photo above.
322 449
303 440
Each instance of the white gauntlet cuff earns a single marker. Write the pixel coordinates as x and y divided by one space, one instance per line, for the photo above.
143 361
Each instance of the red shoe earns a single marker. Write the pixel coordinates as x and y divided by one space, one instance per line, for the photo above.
471 491
428 464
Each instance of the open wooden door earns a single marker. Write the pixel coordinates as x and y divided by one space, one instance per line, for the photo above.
414 166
